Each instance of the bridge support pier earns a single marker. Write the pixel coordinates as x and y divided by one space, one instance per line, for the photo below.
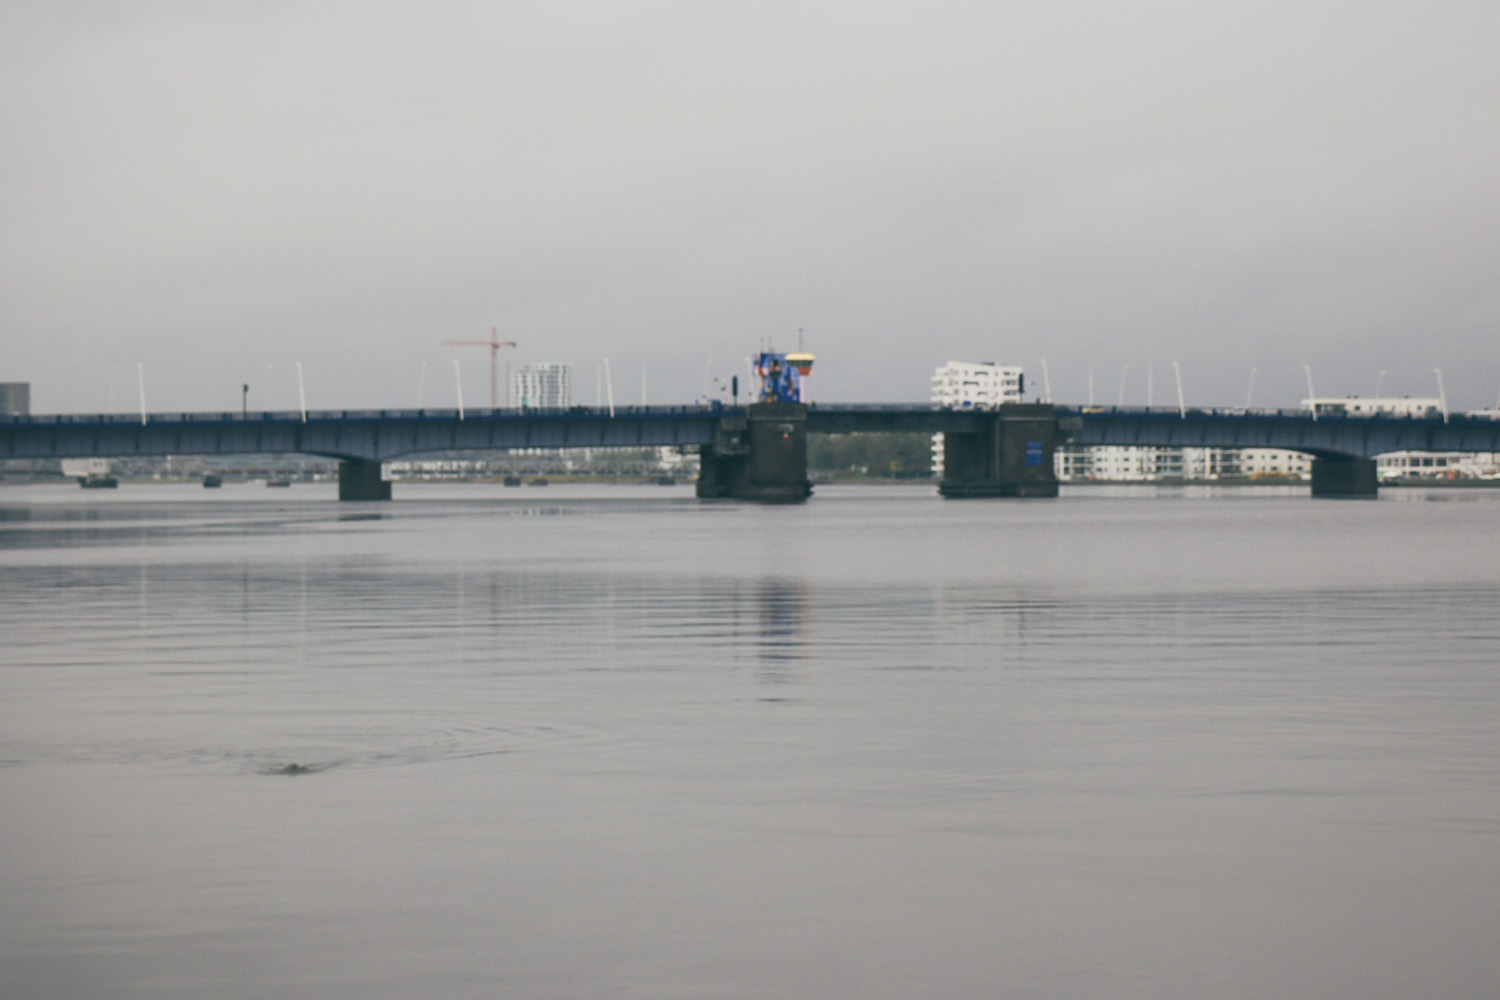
1010 457
359 479
760 456
1344 476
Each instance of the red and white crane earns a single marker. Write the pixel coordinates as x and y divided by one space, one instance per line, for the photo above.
494 344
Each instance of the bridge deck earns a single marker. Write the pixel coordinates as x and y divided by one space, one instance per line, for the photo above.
1294 430
365 434
385 434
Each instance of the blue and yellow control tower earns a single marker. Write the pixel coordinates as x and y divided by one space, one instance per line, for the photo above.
781 376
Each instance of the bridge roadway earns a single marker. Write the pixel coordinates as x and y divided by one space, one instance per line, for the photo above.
1327 436
364 437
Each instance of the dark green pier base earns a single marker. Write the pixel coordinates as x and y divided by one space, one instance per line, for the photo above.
760 456
359 479
1344 476
1011 456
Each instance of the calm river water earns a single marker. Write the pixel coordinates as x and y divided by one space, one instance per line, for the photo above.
614 742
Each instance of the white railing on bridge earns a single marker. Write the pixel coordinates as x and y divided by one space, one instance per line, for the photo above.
697 409
296 416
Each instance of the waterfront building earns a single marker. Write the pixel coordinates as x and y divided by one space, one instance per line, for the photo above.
973 385
1212 463
1106 462
543 385
1145 463
1437 465
1263 463
1073 462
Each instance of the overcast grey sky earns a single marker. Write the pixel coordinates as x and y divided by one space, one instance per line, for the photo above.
218 191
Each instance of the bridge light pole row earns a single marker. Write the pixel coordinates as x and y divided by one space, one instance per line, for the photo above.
1249 390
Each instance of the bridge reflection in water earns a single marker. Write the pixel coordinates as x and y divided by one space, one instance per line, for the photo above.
759 452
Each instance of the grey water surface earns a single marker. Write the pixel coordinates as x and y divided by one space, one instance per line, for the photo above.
615 742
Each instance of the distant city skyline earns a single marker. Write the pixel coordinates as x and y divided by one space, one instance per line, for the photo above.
219 192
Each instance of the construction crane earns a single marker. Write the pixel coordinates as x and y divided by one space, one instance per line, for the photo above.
494 344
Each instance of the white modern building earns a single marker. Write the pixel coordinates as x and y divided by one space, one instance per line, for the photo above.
1150 463
1263 463
1437 465
1104 462
973 385
544 385
977 385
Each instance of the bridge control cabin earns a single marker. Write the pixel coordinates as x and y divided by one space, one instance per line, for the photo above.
781 376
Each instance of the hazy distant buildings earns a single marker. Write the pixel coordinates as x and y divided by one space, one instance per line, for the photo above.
545 385
15 399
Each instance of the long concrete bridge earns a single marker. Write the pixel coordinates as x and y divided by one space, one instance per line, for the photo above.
759 452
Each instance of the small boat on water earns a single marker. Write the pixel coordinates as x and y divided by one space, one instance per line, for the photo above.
212 482
278 482
91 473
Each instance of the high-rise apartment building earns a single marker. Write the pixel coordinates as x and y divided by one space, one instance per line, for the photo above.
544 385
15 399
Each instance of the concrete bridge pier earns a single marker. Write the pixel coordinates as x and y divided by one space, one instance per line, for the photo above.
1343 476
1011 456
359 479
760 456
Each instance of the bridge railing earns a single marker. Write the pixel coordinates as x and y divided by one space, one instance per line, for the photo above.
878 407
1266 413
426 413
712 408
1173 411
